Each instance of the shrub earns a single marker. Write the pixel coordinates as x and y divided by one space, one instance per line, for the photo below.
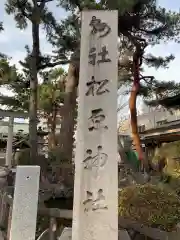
150 205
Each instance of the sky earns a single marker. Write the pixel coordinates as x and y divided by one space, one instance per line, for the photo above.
172 72
12 42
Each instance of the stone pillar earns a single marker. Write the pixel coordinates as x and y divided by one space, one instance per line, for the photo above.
24 211
95 210
9 143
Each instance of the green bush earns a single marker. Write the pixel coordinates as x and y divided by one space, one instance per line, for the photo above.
24 158
150 205
171 152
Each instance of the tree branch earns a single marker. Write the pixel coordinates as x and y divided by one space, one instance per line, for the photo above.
155 30
47 65
22 9
146 78
42 3
78 4
137 41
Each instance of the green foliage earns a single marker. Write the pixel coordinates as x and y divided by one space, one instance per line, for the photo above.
37 14
7 72
171 152
157 62
71 5
51 91
2 55
17 84
56 157
25 10
150 205
24 159
151 23
145 19
155 90
67 39
1 26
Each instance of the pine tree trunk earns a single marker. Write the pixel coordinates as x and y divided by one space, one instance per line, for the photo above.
52 130
68 115
33 95
51 140
66 140
133 111
134 126
134 129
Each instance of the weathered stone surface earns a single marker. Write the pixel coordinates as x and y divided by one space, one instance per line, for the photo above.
96 174
24 212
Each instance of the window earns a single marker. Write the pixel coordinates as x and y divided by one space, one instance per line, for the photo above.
141 128
162 122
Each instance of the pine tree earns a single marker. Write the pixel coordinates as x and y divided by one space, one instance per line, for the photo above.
66 42
4 65
51 98
35 13
141 23
50 95
17 83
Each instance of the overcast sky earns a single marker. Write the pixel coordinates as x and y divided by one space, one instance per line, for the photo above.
12 41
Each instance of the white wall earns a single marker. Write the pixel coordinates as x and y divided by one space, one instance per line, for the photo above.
149 119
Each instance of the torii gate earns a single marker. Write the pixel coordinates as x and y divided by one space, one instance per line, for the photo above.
11 115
